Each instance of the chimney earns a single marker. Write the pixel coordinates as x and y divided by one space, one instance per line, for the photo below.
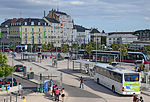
44 13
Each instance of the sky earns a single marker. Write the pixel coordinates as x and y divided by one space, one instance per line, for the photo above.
107 15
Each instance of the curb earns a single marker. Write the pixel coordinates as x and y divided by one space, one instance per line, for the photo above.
145 93
25 78
39 66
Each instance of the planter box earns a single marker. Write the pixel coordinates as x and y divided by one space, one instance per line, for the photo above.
30 76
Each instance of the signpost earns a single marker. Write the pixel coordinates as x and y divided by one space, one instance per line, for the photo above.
46 86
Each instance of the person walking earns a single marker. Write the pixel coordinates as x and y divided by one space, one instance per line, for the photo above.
57 95
24 100
134 97
81 83
19 89
62 94
141 99
53 90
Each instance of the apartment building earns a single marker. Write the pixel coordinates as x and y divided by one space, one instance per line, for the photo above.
26 31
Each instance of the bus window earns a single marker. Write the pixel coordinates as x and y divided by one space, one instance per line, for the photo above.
131 77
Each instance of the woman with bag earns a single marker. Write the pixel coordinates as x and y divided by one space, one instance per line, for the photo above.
62 94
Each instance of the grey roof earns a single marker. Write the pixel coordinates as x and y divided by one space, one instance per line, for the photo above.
122 36
51 20
94 31
80 28
21 22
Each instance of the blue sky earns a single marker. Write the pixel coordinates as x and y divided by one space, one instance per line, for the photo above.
108 15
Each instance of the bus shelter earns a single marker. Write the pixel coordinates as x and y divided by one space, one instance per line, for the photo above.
83 66
47 76
31 57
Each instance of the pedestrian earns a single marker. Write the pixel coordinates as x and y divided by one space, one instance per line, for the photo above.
19 89
53 90
51 85
57 95
134 97
81 83
62 94
24 100
141 99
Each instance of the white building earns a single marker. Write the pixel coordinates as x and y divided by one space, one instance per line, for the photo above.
81 34
123 37
66 25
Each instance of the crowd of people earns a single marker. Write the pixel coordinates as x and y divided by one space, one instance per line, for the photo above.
56 92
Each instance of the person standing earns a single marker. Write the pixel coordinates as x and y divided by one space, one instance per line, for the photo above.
141 99
81 83
57 95
134 97
24 100
62 94
19 89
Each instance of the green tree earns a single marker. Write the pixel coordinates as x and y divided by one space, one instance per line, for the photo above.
50 47
115 47
29 48
147 48
124 50
89 49
34 47
5 69
65 48
83 46
44 47
75 46
13 47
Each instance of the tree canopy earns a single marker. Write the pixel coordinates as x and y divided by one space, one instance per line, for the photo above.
65 48
5 69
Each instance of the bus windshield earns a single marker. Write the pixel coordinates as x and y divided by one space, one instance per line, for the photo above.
134 77
146 55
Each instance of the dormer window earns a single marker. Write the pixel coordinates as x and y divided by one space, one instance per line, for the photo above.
32 23
25 23
39 23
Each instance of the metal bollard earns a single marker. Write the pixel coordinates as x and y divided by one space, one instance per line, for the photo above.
16 96
10 98
4 99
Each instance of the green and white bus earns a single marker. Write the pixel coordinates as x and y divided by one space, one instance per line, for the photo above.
117 79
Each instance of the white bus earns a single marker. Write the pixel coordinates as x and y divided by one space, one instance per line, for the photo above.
117 79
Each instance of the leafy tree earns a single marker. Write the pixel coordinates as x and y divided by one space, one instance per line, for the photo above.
44 47
65 48
124 50
103 40
50 47
29 48
115 46
83 46
75 46
89 49
13 47
5 69
34 47
147 48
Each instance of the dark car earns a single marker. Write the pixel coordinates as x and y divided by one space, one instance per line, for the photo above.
9 81
1 83
19 68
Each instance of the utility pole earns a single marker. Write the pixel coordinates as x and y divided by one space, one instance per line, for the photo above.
120 50
96 48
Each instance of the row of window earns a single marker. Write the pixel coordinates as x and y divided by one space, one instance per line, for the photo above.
108 73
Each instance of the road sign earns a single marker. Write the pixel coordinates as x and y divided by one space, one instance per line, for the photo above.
51 57
8 87
46 86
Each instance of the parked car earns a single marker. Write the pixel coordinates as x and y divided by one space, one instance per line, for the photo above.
9 81
19 68
1 83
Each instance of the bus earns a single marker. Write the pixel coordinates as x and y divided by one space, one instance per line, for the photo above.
105 56
117 79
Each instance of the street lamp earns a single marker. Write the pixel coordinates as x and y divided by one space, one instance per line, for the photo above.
120 49
96 48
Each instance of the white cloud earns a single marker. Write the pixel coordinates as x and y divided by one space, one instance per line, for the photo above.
77 2
147 18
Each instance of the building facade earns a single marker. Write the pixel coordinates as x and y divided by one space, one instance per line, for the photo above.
120 37
31 31
81 34
66 24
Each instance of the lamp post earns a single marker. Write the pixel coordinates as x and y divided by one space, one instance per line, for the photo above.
96 48
120 49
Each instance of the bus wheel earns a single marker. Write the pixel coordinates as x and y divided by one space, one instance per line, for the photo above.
113 89
97 80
